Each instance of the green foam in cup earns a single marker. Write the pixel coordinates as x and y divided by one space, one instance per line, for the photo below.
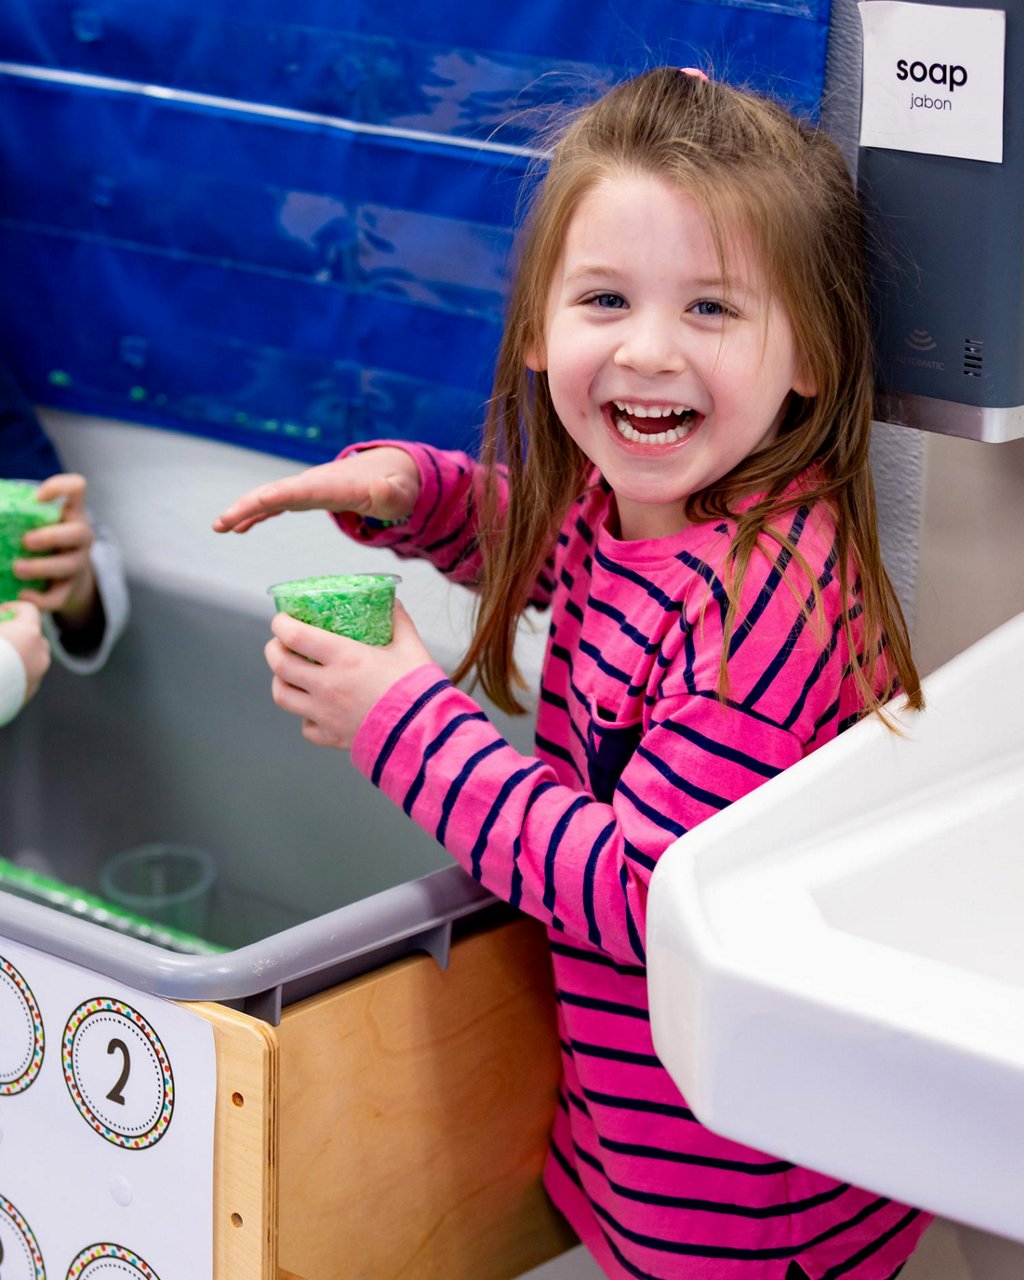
358 605
20 511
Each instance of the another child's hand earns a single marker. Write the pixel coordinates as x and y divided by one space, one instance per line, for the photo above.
333 693
24 632
383 482
62 555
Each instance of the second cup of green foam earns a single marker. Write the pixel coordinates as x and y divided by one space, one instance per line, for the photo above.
358 605
20 512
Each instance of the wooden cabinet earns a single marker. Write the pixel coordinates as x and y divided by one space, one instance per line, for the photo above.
394 1127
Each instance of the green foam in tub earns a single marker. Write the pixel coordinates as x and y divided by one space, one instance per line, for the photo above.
20 511
358 605
72 901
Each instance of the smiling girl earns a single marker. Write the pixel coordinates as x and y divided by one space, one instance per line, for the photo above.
676 466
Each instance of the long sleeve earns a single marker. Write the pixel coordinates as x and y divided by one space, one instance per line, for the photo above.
443 527
13 682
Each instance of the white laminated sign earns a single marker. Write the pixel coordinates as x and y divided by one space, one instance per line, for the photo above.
933 79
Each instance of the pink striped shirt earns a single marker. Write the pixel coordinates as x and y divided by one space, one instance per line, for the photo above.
634 748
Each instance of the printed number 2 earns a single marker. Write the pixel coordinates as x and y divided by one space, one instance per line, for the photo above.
115 1095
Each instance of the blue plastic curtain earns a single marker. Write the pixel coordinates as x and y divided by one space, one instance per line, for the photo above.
286 223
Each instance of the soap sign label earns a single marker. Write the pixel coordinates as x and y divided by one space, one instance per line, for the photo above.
933 79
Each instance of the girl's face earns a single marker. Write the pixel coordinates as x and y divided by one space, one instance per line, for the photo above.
665 374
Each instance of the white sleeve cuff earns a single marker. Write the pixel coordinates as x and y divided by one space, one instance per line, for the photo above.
13 682
110 582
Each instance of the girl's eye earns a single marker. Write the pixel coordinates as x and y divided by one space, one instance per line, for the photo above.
607 301
706 307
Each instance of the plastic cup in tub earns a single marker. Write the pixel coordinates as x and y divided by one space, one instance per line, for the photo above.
170 883
20 511
358 605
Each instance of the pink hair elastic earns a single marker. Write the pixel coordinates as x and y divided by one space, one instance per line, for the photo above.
693 71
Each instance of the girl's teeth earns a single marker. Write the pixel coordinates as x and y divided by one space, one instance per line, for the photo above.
627 430
683 415
652 411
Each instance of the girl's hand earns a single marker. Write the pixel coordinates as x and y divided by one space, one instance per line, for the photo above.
64 559
383 482
25 633
333 693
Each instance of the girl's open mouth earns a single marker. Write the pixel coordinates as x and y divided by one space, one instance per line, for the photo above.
652 424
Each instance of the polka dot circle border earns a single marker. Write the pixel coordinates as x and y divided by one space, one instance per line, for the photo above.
80 1268
26 1238
30 1008
106 1005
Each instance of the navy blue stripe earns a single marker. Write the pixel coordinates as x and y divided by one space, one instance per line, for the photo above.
659 819
516 890
412 795
401 725
783 1210
508 786
615 673
823 659
646 586
619 1103
680 783
414 534
558 832
757 1169
591 957
764 597
452 794
713 748
705 571
842 1268
619 618
574 1177
558 752
589 878
603 1006
722 1251
631 930
612 1055
785 652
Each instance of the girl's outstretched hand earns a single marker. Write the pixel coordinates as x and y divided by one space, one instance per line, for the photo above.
331 682
383 482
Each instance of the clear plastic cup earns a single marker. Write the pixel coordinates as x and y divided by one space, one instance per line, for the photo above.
170 883
20 511
358 605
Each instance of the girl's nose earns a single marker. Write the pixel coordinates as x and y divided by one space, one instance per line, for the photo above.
651 346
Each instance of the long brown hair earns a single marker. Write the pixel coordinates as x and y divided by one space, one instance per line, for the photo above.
755 170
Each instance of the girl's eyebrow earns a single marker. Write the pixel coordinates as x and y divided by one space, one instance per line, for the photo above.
592 269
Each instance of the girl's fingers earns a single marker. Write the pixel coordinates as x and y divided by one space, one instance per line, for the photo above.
70 487
311 643
288 697
52 600
67 535
52 568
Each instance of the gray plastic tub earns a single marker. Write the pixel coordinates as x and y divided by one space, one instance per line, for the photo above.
319 876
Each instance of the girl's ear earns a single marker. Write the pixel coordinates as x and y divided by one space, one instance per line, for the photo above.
536 358
805 384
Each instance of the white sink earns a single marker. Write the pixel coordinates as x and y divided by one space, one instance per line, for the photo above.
836 961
